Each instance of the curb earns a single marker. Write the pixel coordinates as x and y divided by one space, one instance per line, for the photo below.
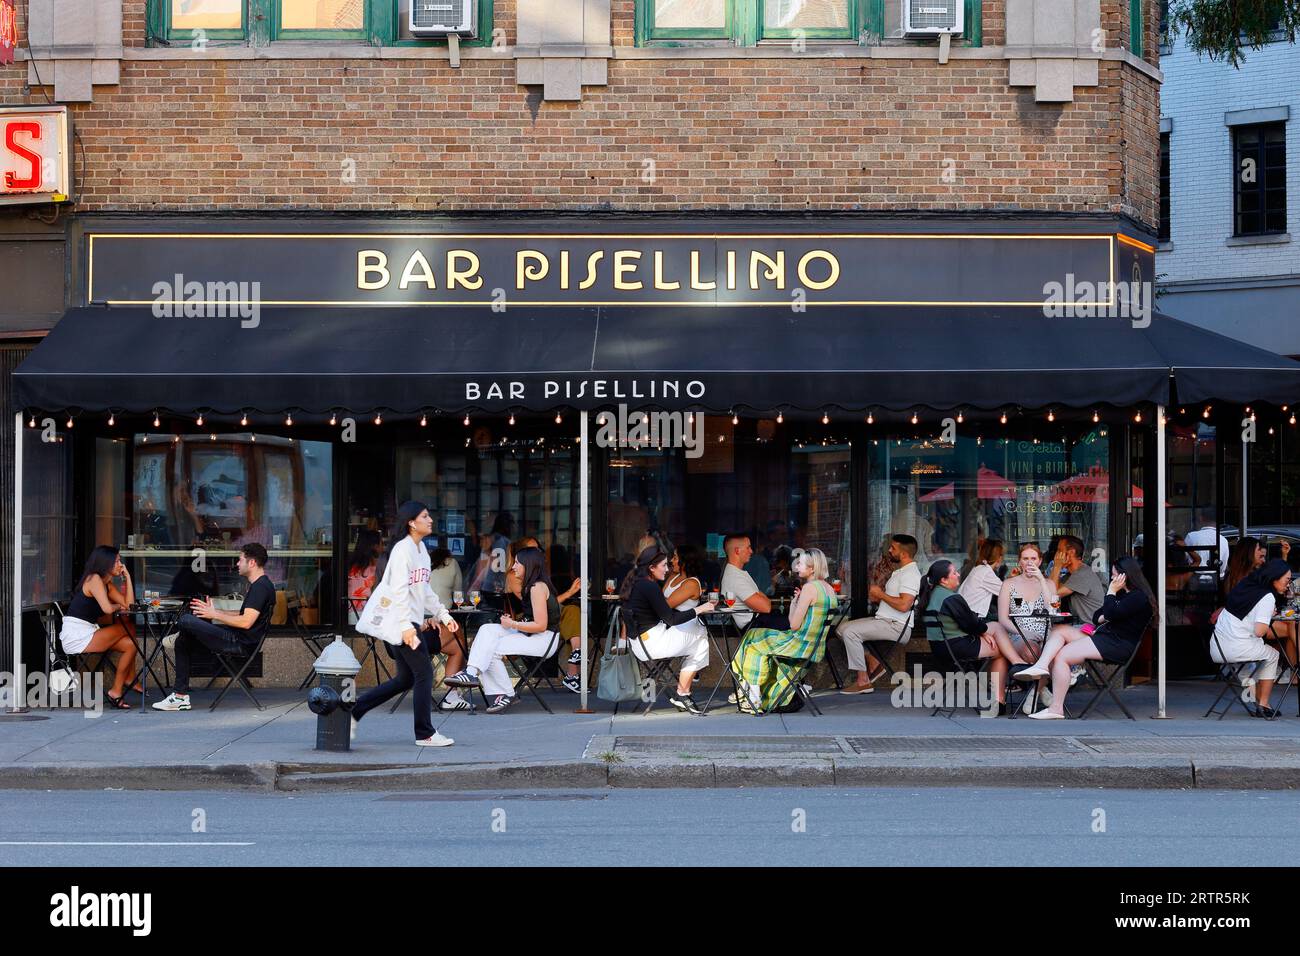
987 771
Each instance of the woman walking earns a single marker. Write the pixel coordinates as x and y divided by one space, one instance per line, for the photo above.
409 632
94 598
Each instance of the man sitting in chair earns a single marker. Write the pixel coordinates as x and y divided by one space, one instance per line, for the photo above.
892 621
223 631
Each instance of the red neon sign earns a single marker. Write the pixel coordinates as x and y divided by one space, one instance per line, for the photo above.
8 31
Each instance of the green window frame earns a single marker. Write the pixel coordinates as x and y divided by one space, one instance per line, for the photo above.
261 24
1135 27
744 26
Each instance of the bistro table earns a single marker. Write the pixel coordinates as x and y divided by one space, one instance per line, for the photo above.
157 620
720 625
1053 618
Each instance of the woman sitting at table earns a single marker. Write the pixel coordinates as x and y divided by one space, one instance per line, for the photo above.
766 682
532 634
969 637
1247 556
1245 622
96 598
1025 599
1128 609
656 631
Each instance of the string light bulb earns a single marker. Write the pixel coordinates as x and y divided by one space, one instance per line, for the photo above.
960 419
156 422
779 418
1205 413
199 421
826 418
1003 419
69 421
424 419
1138 417
379 418
1293 418
735 419
914 418
243 419
111 420
334 418
32 423
1051 415
288 418
512 418
559 419
1095 416
467 419
689 418
871 419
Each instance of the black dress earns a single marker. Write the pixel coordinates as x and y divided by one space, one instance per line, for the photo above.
1126 621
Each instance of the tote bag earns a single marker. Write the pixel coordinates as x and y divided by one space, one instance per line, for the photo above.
377 618
620 676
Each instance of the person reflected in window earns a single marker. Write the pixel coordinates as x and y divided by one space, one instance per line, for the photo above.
363 567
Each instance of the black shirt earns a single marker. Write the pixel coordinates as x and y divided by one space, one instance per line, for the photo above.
1127 615
260 598
645 607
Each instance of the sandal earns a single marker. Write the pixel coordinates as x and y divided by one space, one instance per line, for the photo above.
117 703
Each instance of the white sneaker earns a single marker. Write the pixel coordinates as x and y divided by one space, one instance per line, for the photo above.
1046 694
1046 715
1032 673
169 641
1031 701
437 740
173 702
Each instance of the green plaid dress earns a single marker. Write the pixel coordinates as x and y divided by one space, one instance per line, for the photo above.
767 682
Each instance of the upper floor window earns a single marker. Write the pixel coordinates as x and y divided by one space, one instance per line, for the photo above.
382 22
1259 179
748 22
1164 187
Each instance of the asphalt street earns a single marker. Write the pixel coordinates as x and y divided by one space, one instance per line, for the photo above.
761 827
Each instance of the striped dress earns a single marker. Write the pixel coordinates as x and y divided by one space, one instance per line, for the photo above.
767 682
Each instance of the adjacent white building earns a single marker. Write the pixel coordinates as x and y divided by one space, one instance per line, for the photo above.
1231 258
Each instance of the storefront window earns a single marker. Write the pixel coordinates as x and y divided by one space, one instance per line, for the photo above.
952 496
195 500
777 483
49 566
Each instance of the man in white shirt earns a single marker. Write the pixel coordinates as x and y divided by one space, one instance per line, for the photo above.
1205 535
737 581
893 618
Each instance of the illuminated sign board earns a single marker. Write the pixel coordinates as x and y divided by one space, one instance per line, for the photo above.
34 154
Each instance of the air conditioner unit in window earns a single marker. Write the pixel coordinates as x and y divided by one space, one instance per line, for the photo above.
439 18
929 17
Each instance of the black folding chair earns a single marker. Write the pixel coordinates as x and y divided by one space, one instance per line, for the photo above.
803 665
934 623
235 664
1231 673
1106 682
838 617
529 675
652 670
315 643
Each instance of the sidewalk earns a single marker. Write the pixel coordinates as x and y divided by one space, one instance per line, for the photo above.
860 741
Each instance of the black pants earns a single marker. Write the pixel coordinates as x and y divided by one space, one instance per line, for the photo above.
195 633
415 673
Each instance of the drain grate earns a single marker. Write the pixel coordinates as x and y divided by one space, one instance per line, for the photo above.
971 744
722 746
1191 745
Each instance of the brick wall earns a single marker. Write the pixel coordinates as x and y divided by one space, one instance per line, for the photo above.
742 133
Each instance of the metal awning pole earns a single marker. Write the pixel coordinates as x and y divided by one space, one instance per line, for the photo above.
584 542
16 705
1161 532
1245 482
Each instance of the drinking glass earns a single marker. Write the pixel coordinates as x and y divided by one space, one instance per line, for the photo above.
731 598
474 598
458 598
713 597
609 585
835 585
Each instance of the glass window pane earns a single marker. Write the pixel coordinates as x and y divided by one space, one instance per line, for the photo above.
49 567
322 14
805 14
207 14
688 14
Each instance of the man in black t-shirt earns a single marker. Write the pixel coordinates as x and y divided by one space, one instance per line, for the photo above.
223 631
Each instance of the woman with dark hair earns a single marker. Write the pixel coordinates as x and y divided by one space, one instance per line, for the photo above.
1245 622
982 588
534 634
656 631
1247 555
93 598
409 635
363 567
1124 616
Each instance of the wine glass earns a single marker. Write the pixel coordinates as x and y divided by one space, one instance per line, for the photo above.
835 585
609 585
474 598
731 598
458 598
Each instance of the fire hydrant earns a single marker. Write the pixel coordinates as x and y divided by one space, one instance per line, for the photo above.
332 700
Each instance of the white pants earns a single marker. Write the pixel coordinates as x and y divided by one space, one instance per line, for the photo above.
494 642
854 633
1259 652
681 641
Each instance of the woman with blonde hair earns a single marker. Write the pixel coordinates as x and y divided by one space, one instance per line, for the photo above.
761 668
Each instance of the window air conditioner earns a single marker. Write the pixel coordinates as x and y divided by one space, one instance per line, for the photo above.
929 17
439 18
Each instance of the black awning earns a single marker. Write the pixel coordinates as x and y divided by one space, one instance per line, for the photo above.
405 360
